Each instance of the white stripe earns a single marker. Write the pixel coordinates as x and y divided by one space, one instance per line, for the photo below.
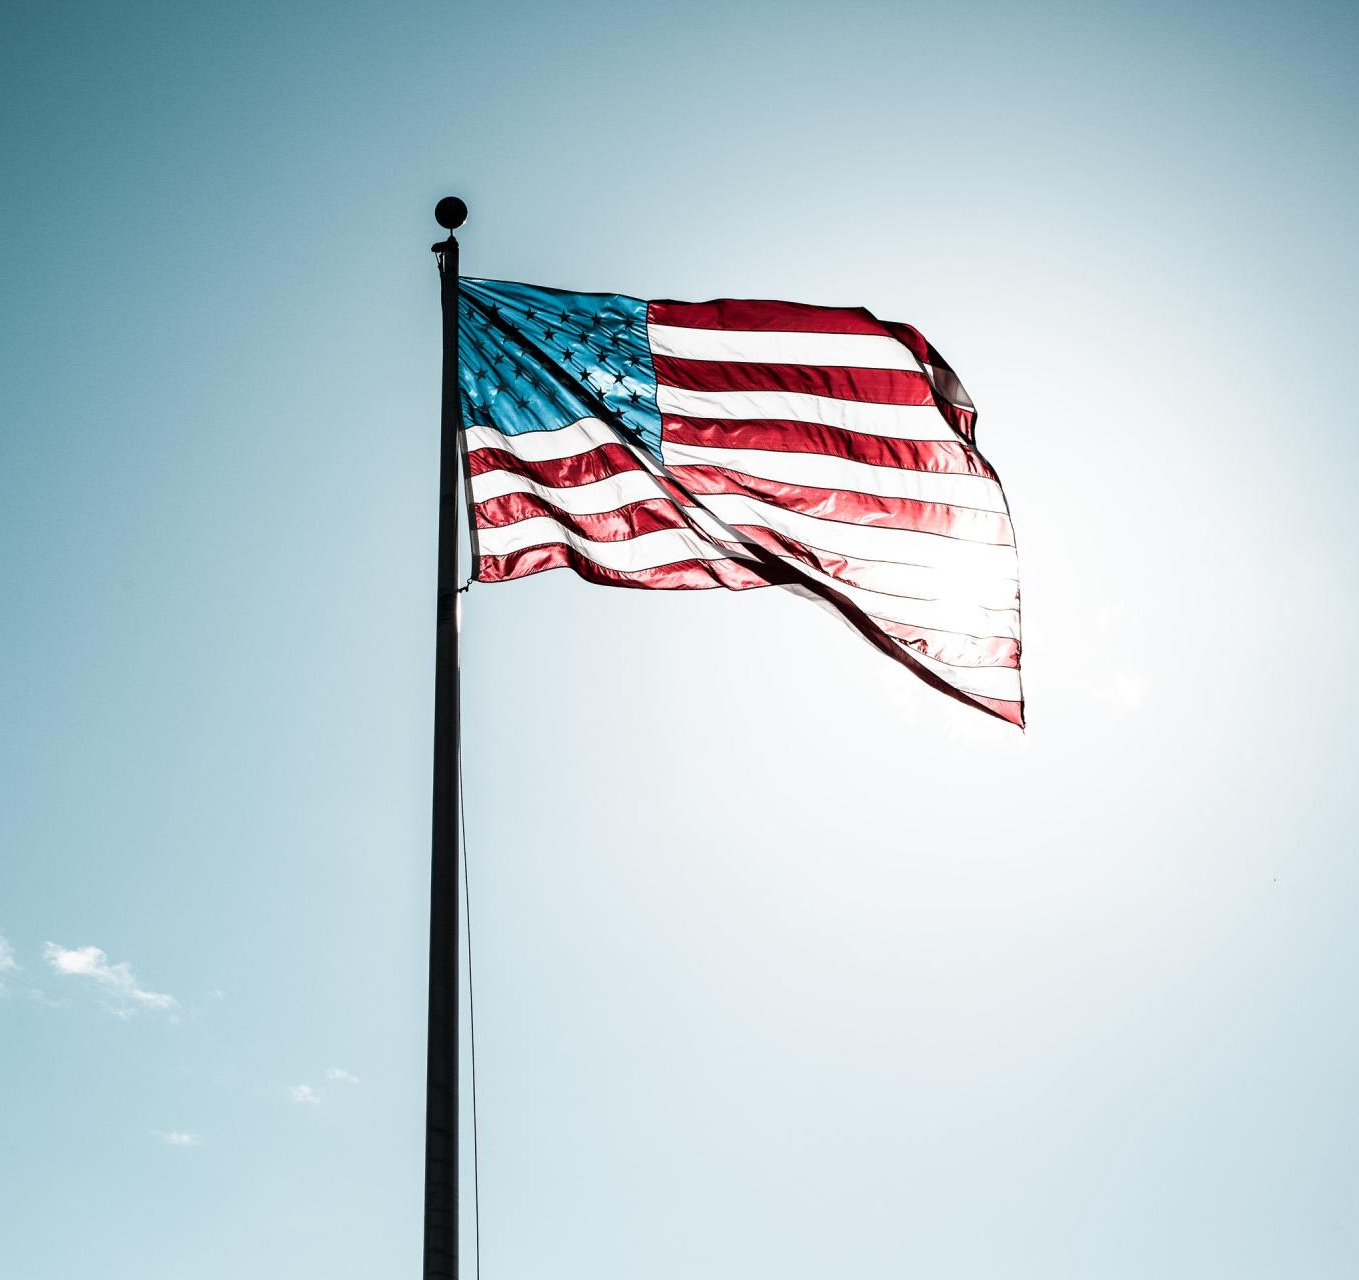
959 616
910 594
763 346
823 471
963 561
947 387
893 421
970 603
595 498
998 682
598 496
646 551
541 446
984 682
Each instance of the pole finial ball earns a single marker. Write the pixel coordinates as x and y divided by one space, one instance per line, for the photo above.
450 213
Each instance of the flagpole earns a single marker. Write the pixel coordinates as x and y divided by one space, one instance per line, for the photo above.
441 1072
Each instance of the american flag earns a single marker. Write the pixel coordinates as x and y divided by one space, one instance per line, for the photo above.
740 444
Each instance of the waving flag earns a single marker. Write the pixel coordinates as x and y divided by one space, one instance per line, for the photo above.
743 444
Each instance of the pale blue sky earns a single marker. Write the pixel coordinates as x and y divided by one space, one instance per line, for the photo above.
786 965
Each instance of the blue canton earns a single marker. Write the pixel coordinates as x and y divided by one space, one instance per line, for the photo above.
534 359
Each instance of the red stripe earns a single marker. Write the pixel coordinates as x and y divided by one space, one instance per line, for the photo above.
567 473
855 508
782 317
782 436
684 575
872 386
914 341
582 468
958 651
618 525
1011 711
963 420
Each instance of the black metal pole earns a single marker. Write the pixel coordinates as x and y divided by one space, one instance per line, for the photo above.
441 1079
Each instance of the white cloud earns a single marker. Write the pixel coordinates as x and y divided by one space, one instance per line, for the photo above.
176 1138
304 1093
8 964
341 1076
116 981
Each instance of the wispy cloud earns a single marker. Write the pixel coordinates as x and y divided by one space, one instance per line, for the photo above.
176 1137
116 982
304 1093
8 964
341 1076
